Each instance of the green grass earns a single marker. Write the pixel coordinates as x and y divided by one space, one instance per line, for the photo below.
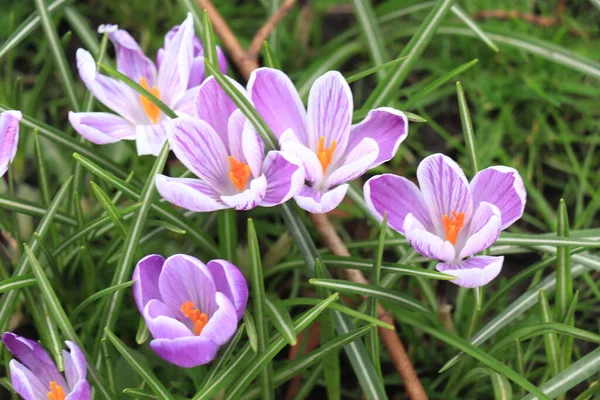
533 106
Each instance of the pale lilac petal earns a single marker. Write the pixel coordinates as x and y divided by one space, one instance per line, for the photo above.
222 60
354 164
185 278
285 177
150 139
320 203
330 112
161 322
250 197
313 171
230 281
131 60
176 65
445 189
214 106
81 391
278 103
112 93
504 188
201 150
191 194
197 72
185 106
473 272
146 275
426 243
387 126
398 197
223 322
186 352
25 382
483 230
101 127
9 138
75 364
245 144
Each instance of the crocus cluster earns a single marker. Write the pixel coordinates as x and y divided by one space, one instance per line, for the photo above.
191 308
449 218
34 375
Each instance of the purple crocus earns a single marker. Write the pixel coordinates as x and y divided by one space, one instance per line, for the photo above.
448 218
332 150
9 138
174 82
190 308
222 148
35 376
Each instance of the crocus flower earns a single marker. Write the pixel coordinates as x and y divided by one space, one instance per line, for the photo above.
9 138
222 148
35 376
332 150
448 218
138 118
191 309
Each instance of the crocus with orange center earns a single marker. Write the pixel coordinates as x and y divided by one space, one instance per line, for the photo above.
449 218
190 308
34 376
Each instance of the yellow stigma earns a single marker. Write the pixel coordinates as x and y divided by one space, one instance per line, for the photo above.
151 109
199 319
56 392
453 225
238 173
325 155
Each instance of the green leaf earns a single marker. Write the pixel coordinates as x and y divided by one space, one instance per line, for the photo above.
144 372
465 118
109 207
372 340
251 330
550 340
228 237
17 282
209 42
464 17
100 294
269 56
81 27
142 334
371 33
35 210
371 71
280 318
501 386
224 354
380 293
564 280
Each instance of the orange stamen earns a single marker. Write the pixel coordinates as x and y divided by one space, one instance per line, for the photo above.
199 319
56 392
238 173
325 155
453 225
151 109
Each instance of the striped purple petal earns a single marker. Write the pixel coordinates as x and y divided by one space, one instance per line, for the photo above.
9 138
473 272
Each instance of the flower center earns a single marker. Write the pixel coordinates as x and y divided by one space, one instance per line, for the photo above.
325 155
238 173
453 225
151 109
56 392
199 319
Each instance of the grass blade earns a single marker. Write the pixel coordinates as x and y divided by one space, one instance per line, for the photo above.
371 71
100 294
465 118
228 236
468 21
550 339
280 318
269 57
17 282
109 207
372 340
371 33
564 280
25 207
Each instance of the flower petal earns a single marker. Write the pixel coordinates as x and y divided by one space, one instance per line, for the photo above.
320 203
355 163
278 103
426 243
75 364
473 272
330 112
387 126
101 127
146 274
313 171
25 382
230 281
162 323
149 139
185 278
445 189
245 144
185 106
503 187
186 352
285 177
398 197
249 198
112 93
176 65
483 231
223 322
191 194
81 391
131 60
9 138
214 106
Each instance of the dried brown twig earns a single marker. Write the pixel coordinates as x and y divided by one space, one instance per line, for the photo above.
247 61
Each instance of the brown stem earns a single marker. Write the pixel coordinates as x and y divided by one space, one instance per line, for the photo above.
262 34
